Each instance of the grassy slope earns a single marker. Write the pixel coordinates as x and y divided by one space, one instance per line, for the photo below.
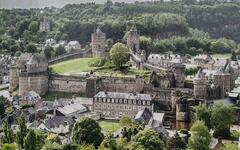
76 66
73 66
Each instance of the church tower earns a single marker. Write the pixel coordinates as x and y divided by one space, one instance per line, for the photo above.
98 43
133 40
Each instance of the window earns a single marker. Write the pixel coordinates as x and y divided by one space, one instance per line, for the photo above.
120 100
148 102
125 101
139 102
134 101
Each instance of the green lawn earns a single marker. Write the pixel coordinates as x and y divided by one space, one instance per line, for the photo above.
222 56
232 146
50 96
73 66
108 125
77 66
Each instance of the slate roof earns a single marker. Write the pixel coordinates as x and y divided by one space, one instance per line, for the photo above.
117 95
56 121
38 59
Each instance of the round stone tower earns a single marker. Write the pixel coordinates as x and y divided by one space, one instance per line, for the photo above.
133 40
98 43
179 74
200 85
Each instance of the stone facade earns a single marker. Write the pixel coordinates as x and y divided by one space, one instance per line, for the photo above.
98 43
200 86
115 104
179 74
35 82
67 84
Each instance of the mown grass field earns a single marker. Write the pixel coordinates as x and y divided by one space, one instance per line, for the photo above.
77 66
108 125
73 66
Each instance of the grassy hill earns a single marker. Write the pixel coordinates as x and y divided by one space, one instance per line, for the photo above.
73 66
77 66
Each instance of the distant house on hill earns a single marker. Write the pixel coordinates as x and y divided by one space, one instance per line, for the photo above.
73 46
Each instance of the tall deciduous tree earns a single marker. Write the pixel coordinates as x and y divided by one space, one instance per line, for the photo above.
2 108
109 142
200 137
147 139
21 134
222 125
204 114
30 141
8 134
87 131
119 54
31 48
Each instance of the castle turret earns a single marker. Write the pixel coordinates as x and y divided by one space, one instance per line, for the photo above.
179 74
133 40
200 85
98 43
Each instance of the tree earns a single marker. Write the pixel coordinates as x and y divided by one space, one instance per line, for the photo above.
33 26
87 131
60 50
109 142
204 114
30 141
176 142
8 134
234 56
31 48
2 107
119 54
125 120
8 146
222 126
147 139
200 137
21 134
48 51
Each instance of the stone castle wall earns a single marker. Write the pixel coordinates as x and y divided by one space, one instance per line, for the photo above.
35 82
90 86
67 84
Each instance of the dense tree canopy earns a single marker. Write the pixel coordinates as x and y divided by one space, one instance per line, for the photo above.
119 54
200 137
87 131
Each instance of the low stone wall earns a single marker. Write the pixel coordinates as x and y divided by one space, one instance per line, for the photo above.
68 56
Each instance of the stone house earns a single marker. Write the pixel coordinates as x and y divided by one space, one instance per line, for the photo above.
29 98
73 46
113 105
